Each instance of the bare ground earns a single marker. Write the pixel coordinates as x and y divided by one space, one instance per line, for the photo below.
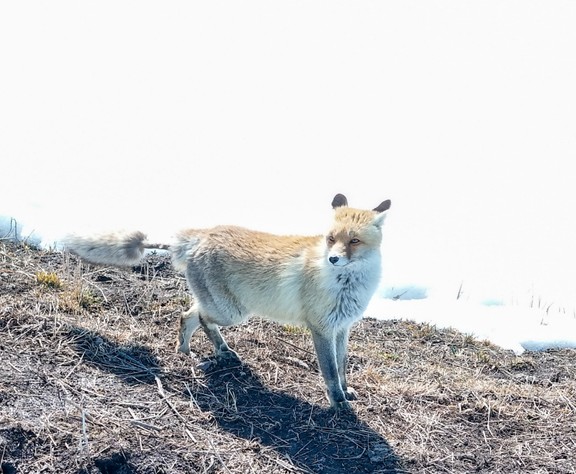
90 383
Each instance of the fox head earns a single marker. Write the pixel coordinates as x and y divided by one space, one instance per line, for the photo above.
355 233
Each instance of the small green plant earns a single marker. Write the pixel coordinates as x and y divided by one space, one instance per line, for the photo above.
78 300
389 356
295 330
423 331
87 299
48 279
485 357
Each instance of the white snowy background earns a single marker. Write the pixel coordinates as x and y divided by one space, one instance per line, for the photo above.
163 115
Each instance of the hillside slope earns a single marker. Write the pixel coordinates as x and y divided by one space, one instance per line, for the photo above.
90 383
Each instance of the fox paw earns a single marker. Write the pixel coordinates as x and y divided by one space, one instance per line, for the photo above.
342 407
183 349
351 394
339 401
227 355
206 365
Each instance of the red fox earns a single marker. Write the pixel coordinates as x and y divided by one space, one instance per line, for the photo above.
322 282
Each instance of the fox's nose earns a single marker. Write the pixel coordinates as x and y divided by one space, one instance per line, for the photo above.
333 259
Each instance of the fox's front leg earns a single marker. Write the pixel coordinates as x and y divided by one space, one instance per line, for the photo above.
325 345
342 362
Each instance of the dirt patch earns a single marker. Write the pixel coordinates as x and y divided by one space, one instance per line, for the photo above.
90 383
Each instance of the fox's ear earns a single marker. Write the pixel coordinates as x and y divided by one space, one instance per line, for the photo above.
379 219
339 201
383 206
380 209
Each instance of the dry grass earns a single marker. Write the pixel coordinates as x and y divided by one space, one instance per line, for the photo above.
90 383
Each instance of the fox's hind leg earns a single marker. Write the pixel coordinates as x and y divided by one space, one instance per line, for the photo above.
189 323
222 349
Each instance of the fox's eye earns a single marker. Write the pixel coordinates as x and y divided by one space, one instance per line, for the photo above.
331 239
354 241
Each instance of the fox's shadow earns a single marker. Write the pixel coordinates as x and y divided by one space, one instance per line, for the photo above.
133 364
314 438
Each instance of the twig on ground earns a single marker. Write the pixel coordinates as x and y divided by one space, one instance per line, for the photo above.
295 346
168 402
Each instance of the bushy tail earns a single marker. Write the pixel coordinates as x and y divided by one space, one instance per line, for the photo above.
115 248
